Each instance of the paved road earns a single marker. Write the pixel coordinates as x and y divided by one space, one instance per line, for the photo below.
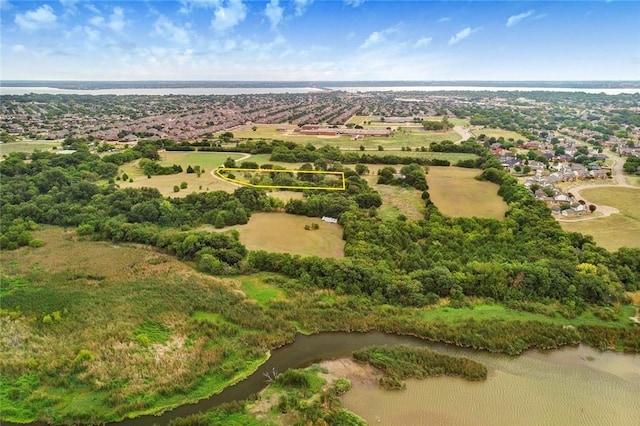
620 182
213 172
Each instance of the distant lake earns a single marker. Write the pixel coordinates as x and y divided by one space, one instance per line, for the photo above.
607 91
191 91
195 91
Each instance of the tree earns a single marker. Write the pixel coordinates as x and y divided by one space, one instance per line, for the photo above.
230 163
592 208
361 169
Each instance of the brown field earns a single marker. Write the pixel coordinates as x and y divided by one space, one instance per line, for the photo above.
456 193
285 233
64 251
617 230
286 195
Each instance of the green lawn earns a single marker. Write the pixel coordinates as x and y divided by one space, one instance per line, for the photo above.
498 133
498 312
617 230
255 287
28 146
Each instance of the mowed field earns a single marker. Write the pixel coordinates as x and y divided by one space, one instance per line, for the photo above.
28 146
285 233
456 193
208 161
617 230
498 133
397 200
412 136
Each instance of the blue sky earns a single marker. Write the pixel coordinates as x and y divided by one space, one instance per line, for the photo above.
319 40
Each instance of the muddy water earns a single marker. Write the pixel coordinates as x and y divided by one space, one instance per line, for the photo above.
570 386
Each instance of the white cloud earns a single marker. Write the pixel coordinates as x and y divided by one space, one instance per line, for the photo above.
225 18
116 20
377 37
301 6
18 48
354 3
165 27
423 42
444 19
98 21
42 17
373 39
461 35
91 33
274 11
515 19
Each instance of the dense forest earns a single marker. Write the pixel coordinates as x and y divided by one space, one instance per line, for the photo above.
526 256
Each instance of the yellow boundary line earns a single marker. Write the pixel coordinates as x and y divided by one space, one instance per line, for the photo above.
220 170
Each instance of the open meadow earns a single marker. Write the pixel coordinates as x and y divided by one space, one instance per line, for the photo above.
456 192
286 233
617 230
498 133
396 200
411 136
207 161
28 146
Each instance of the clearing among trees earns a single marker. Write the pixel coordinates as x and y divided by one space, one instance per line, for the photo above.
456 192
285 233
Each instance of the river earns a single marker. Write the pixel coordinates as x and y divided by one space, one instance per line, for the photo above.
577 385
570 386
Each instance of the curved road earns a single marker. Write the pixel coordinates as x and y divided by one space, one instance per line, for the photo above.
213 171
620 182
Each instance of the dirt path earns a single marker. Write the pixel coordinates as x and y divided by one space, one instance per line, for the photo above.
215 176
620 182
464 133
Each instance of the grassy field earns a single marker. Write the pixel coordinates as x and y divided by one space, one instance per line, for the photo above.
255 288
28 146
456 193
413 137
454 121
498 133
617 230
397 200
285 233
482 312
165 183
